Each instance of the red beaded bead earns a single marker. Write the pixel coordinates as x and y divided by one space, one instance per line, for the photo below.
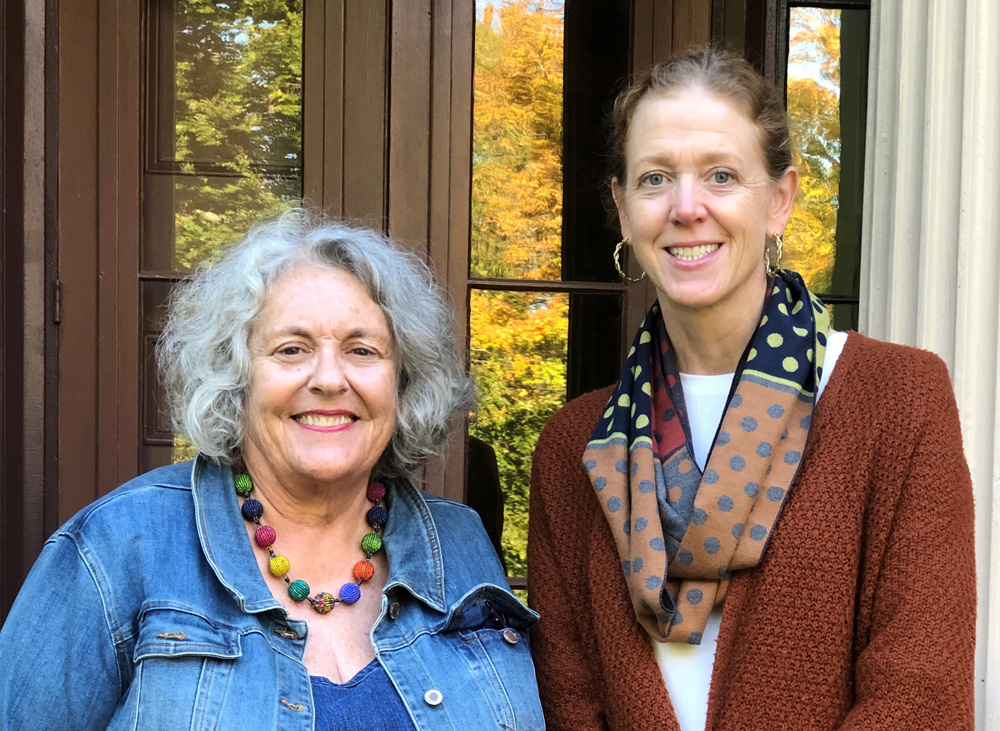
376 491
265 536
363 570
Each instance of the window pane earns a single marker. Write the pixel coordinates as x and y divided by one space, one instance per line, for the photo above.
814 113
843 316
827 94
200 214
518 360
224 123
517 140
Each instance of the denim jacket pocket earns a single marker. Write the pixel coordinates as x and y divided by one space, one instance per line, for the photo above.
183 667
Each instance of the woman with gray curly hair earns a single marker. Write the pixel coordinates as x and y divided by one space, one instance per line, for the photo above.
314 368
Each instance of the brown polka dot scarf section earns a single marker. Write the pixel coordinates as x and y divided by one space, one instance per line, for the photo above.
681 532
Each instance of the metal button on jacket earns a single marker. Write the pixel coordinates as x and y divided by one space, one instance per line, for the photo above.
433 697
510 636
393 610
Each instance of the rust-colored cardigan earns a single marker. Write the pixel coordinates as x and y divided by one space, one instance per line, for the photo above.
861 614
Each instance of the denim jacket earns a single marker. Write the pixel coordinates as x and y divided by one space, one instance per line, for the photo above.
147 611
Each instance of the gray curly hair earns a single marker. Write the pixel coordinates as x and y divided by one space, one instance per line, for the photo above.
205 361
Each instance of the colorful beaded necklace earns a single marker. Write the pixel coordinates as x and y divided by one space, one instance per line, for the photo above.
298 590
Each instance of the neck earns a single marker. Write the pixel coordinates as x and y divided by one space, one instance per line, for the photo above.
306 503
711 341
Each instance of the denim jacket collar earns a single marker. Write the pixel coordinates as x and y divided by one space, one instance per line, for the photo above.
412 546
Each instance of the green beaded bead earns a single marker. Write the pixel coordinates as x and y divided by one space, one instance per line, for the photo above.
244 485
298 590
371 543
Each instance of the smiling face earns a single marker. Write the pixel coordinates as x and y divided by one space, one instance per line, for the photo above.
322 402
697 204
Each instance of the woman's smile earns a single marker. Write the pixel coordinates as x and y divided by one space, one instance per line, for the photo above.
326 420
693 252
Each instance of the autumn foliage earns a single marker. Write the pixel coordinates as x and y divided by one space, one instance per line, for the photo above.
517 339
814 114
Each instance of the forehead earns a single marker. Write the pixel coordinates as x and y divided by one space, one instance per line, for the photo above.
320 297
692 117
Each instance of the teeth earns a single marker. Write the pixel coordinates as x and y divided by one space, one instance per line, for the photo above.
318 420
689 253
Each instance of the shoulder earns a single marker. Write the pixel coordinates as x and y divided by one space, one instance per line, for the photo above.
888 397
572 425
463 537
450 513
889 373
861 352
137 504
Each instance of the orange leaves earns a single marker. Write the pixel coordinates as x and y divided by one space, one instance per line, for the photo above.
517 339
814 114
517 143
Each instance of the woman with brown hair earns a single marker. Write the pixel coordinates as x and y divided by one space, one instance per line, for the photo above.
766 523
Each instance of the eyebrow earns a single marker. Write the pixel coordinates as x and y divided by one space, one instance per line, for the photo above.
714 156
300 332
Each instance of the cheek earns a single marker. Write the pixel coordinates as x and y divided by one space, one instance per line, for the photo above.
389 403
271 389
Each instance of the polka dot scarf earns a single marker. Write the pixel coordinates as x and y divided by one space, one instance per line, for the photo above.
680 533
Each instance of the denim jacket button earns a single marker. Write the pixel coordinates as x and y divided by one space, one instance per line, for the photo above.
511 637
433 697
393 613
288 634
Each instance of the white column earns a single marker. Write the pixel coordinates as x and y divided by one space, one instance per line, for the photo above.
931 240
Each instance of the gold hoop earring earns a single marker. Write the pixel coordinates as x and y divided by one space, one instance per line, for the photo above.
618 265
772 270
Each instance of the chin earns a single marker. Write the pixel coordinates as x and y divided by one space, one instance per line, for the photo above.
689 297
318 471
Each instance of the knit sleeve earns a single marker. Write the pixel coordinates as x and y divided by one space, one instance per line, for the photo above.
566 678
916 667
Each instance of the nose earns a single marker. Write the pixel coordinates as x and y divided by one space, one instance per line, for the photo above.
687 206
328 376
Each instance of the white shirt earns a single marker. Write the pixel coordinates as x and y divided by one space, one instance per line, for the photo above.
687 669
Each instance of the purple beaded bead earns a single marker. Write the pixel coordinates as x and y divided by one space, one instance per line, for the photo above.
376 491
252 509
350 593
377 516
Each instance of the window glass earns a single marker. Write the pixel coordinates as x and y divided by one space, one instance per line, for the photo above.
517 339
224 124
517 356
827 96
814 113
546 72
517 141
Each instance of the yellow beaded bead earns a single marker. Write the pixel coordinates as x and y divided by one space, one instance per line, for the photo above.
279 566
